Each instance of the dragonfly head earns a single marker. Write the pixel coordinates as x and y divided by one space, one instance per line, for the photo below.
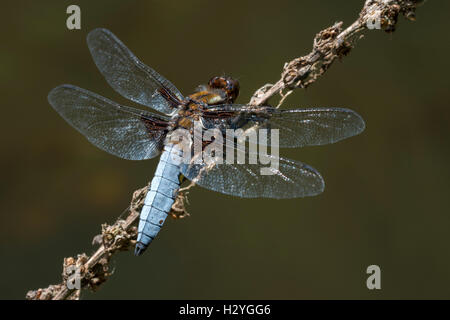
228 85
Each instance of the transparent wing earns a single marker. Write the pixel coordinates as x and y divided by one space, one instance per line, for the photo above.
129 76
292 179
122 131
277 178
297 128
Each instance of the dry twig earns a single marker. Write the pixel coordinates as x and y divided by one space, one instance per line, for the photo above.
329 44
333 43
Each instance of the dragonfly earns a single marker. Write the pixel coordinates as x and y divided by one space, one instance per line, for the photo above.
138 134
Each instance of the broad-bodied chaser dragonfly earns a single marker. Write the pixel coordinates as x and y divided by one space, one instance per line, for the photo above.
136 134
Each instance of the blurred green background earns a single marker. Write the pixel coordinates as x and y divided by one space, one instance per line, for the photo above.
386 200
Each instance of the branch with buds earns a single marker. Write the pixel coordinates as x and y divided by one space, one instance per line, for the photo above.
329 44
333 43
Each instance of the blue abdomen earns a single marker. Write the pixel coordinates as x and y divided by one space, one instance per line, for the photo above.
160 197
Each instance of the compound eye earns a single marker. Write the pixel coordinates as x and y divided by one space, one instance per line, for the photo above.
215 82
233 88
226 84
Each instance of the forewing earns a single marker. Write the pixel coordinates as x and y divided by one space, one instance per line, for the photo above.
297 127
129 76
122 131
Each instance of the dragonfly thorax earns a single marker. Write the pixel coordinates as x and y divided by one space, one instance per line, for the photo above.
219 90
